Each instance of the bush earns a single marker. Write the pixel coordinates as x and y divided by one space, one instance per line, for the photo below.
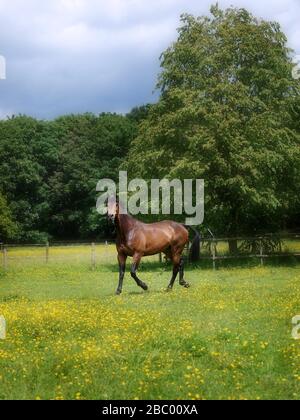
34 237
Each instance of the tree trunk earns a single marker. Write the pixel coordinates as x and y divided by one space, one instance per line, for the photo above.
233 246
233 232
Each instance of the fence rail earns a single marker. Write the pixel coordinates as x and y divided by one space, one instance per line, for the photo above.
212 249
258 247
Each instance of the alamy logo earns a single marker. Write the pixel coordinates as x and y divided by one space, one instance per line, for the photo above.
296 327
2 328
155 197
2 68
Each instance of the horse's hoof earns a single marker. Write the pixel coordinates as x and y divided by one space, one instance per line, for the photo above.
169 289
186 285
144 287
118 292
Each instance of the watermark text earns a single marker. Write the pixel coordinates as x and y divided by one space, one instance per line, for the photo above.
296 327
2 328
179 197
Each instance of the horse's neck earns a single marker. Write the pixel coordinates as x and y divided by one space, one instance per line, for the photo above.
123 225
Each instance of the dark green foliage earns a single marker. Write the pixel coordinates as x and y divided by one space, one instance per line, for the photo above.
49 171
90 148
7 227
28 155
139 113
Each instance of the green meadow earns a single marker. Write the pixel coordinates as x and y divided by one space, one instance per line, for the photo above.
69 337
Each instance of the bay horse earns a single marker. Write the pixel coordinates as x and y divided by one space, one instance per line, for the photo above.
136 239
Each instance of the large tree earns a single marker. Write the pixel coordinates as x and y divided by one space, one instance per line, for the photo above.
90 148
28 155
7 226
227 114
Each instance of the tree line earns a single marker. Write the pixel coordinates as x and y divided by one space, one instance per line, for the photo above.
49 171
228 113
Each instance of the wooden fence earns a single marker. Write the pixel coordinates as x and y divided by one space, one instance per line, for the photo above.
4 249
212 249
260 248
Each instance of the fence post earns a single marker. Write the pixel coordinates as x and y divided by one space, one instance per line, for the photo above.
4 254
160 257
93 256
47 252
261 253
214 248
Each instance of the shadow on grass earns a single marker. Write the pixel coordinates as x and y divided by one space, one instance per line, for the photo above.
9 298
244 262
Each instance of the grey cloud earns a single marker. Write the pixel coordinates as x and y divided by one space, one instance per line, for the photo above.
69 56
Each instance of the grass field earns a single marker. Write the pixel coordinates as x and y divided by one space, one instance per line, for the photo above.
69 337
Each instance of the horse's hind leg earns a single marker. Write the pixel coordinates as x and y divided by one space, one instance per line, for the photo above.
182 282
136 262
176 269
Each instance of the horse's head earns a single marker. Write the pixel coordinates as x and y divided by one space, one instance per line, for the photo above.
112 208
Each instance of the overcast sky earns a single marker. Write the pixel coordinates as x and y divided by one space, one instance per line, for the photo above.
70 56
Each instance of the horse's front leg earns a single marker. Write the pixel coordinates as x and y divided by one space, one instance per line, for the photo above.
136 262
122 267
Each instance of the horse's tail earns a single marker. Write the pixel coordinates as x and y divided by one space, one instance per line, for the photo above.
194 253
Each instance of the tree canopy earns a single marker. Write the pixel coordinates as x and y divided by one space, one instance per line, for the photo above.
7 227
228 113
49 171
